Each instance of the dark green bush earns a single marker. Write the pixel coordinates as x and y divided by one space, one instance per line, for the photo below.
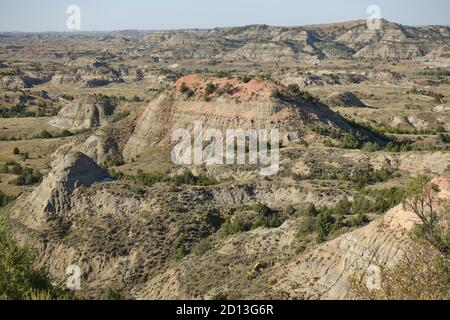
236 225
310 210
19 280
307 226
5 199
358 221
361 204
444 138
201 247
324 224
184 88
27 177
343 207
210 89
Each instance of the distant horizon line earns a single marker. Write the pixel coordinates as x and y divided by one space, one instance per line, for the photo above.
212 28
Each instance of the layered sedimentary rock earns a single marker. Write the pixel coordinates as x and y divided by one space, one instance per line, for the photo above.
52 197
233 104
87 112
324 272
22 81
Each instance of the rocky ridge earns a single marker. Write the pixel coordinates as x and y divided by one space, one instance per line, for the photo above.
87 112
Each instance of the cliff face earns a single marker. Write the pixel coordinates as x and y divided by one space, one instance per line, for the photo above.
296 44
246 44
52 197
233 104
323 272
23 81
87 112
125 235
127 240
167 231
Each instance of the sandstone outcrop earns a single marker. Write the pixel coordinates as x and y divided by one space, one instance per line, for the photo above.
22 81
326 272
87 112
102 148
52 197
311 43
233 104
323 272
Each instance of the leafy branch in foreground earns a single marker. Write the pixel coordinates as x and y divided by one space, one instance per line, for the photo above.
422 198
421 275
424 271
19 280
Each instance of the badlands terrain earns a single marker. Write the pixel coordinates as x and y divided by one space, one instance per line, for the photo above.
86 176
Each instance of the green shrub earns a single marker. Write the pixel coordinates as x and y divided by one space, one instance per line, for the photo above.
27 177
184 88
149 179
307 226
136 99
310 210
343 207
236 225
294 89
438 97
228 88
290 210
362 177
188 178
116 175
272 221
444 138
262 208
44 134
306 96
324 224
246 78
117 162
19 280
435 73
276 94
65 133
181 253
361 204
346 214
222 74
5 199
201 247
358 221
114 295
210 89
11 167
370 147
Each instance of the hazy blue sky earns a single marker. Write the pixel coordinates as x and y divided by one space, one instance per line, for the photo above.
50 15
